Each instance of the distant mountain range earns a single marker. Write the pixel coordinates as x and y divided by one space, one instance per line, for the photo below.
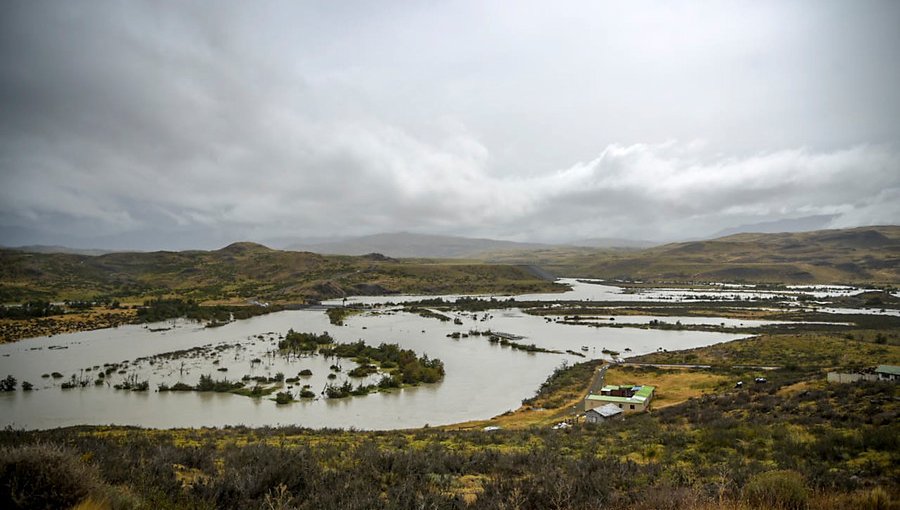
614 243
43 248
410 245
804 224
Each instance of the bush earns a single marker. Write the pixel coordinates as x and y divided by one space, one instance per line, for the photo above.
284 397
875 499
8 384
782 489
43 476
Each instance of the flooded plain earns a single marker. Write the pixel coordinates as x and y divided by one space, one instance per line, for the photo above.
482 379
599 290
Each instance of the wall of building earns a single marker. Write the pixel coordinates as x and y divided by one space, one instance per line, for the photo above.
839 377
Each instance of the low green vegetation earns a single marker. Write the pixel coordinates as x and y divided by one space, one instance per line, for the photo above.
503 340
284 397
294 341
399 366
30 310
428 314
9 383
156 310
402 365
207 383
337 315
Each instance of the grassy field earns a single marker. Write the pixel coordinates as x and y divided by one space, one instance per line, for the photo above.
808 351
673 386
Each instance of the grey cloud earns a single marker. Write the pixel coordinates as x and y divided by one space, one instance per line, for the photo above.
217 123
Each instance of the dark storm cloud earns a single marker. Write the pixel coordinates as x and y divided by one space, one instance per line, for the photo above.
149 124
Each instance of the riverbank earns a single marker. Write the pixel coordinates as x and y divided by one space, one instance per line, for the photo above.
12 330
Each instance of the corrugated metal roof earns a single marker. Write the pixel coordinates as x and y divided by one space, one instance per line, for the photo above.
888 369
606 411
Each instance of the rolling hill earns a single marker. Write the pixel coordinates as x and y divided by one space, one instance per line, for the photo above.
858 255
243 271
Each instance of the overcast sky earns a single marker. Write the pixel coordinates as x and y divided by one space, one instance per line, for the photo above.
193 124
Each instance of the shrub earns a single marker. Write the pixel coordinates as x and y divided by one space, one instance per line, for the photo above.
363 371
284 397
875 499
43 476
784 489
8 384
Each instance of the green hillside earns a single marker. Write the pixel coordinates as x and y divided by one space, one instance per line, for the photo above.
243 271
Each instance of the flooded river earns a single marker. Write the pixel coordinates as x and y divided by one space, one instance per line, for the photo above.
482 379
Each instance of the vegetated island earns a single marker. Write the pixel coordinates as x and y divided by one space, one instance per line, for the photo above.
399 367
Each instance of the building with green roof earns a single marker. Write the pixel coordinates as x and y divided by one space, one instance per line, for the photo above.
888 372
629 398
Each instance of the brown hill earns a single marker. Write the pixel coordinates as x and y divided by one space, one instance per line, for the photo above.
243 271
858 255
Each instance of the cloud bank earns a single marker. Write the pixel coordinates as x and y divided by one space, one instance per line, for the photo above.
150 126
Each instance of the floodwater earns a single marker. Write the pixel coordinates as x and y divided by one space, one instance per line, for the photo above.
724 322
598 290
482 379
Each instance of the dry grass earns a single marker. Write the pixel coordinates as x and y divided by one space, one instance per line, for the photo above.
805 350
525 417
672 386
